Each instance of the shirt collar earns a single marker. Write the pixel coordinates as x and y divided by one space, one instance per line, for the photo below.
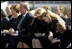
25 14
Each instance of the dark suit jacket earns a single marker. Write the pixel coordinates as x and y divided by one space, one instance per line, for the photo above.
25 25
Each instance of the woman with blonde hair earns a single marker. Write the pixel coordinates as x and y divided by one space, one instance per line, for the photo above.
57 17
58 26
55 20
40 33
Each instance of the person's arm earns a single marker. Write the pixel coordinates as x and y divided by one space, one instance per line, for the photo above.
4 31
51 39
50 36
13 32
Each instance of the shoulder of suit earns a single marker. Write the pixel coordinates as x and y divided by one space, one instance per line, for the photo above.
19 15
30 15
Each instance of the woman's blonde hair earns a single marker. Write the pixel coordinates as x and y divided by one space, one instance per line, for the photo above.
39 11
46 14
54 16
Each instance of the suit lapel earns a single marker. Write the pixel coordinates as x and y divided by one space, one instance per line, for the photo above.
24 21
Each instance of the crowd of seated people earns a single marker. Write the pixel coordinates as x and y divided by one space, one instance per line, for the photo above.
37 28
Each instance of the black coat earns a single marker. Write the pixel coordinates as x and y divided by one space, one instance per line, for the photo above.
25 25
40 26
11 23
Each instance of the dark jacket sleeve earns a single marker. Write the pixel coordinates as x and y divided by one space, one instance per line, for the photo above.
4 23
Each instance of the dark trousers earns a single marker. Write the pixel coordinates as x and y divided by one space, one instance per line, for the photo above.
4 39
24 38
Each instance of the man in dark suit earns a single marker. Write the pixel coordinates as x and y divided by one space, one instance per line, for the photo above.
22 29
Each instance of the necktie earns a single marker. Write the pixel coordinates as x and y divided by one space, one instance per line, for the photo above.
19 25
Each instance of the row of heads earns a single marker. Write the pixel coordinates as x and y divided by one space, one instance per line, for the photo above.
26 6
40 13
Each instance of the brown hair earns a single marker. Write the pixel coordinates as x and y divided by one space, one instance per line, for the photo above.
15 7
26 5
60 7
47 7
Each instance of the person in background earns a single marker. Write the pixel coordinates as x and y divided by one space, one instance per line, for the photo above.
60 11
68 21
8 11
66 39
4 20
47 8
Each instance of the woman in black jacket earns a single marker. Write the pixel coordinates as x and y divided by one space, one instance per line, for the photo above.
40 30
10 24
53 22
58 28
